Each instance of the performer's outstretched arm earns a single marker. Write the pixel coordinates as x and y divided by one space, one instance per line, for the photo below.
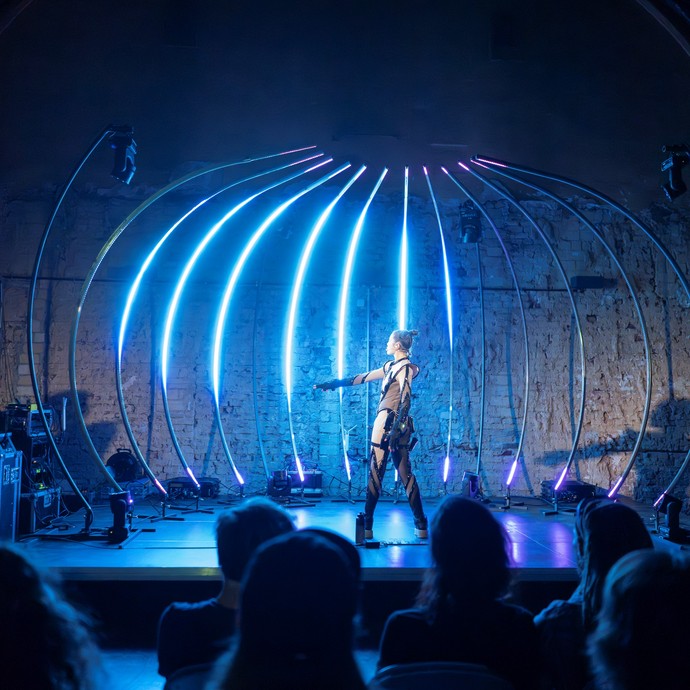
376 374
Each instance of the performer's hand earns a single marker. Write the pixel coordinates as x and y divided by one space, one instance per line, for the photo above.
326 385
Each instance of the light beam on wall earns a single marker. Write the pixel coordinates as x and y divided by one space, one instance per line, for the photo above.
232 282
402 299
523 319
501 170
134 289
294 303
172 309
449 318
342 310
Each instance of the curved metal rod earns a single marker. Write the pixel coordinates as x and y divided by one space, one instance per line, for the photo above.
303 265
172 313
30 329
449 316
130 303
342 315
652 237
235 275
89 279
516 285
578 325
482 335
499 169
255 398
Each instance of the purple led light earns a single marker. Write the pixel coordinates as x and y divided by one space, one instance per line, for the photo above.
512 472
561 478
479 160
463 166
616 486
192 477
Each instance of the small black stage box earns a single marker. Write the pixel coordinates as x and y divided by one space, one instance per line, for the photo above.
183 487
570 491
37 509
313 483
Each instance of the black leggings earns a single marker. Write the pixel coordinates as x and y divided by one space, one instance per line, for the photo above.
377 468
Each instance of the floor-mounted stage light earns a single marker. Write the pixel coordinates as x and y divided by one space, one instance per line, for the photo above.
120 505
670 506
679 157
125 149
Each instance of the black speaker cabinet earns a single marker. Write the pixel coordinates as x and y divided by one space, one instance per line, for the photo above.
10 485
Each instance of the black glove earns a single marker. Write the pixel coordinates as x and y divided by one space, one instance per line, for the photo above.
333 384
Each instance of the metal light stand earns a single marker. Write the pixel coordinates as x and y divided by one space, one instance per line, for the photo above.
510 504
88 510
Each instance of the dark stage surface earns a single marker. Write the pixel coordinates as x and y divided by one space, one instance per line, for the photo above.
542 547
126 588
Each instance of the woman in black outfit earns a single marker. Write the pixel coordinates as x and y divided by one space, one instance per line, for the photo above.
392 429
460 614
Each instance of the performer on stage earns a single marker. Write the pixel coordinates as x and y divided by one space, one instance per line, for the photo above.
393 428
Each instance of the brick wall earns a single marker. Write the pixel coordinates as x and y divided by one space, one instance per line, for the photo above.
254 343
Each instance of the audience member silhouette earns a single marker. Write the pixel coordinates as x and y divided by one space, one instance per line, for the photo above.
44 642
297 603
604 531
461 615
198 633
642 637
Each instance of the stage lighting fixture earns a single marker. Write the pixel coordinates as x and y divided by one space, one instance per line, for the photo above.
670 506
679 157
470 484
120 504
470 223
125 148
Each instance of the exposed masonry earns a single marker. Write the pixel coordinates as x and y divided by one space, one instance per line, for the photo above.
255 333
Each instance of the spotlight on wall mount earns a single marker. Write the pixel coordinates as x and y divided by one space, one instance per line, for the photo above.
125 149
679 157
470 223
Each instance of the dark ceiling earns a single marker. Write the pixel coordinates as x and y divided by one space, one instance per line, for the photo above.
591 89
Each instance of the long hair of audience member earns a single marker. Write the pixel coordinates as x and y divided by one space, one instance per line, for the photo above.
298 601
44 641
470 550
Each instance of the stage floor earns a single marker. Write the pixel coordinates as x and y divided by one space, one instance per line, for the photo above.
542 546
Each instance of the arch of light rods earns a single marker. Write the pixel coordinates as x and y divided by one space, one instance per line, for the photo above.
307 162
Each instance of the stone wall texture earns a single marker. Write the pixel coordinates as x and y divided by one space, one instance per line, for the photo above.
253 401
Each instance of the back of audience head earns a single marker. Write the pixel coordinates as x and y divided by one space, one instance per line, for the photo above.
607 531
471 554
239 530
642 636
298 601
348 549
44 641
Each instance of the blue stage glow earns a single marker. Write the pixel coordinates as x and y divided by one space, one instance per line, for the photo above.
294 302
149 259
172 309
342 311
449 317
402 300
232 282
179 288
